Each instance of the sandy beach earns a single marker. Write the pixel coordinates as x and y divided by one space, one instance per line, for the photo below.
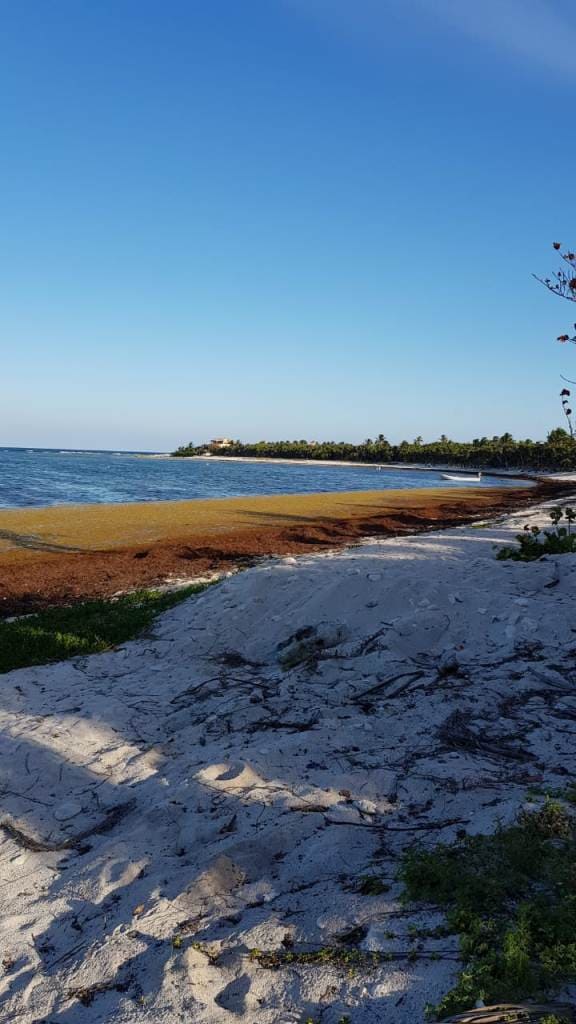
60 554
219 786
288 513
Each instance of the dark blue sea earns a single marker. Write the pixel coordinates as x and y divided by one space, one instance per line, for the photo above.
32 477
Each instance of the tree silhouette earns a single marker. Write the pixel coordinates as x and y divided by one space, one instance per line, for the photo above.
563 284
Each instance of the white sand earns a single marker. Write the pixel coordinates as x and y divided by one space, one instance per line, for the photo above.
254 795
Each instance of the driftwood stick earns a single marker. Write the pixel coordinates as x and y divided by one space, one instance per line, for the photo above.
110 819
415 674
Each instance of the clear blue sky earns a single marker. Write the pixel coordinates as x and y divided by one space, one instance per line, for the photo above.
282 218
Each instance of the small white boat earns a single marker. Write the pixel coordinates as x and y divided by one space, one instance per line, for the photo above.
464 479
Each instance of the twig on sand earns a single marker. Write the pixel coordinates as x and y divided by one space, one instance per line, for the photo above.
423 827
414 674
111 818
456 734
190 691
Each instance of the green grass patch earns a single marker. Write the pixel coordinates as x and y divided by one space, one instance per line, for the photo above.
511 897
85 628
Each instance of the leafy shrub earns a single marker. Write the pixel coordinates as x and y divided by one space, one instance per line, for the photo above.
533 542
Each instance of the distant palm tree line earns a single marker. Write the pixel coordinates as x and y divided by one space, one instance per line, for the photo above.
557 452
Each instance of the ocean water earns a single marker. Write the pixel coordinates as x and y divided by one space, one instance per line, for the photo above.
32 477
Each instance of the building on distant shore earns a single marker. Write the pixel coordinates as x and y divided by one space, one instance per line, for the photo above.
221 442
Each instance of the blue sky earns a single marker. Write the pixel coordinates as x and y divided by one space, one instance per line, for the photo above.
282 218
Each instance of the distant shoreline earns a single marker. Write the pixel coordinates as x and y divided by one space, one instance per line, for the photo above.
407 466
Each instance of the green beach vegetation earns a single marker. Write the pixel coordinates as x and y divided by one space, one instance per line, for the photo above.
510 898
534 542
86 628
557 452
